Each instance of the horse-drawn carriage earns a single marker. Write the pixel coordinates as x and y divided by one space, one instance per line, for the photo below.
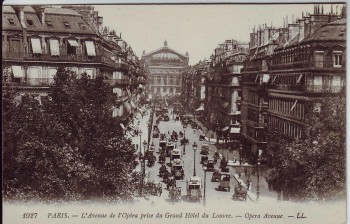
175 193
216 176
169 148
201 137
240 193
194 189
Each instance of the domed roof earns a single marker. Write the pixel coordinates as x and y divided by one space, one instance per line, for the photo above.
165 56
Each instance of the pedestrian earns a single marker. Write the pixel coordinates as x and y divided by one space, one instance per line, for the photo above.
234 159
248 184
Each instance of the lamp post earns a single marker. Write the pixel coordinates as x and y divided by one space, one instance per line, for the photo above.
194 158
205 183
141 157
184 149
258 166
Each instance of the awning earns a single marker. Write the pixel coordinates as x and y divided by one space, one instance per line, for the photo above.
225 104
122 125
200 108
17 72
90 48
73 43
54 47
51 73
36 46
225 128
235 130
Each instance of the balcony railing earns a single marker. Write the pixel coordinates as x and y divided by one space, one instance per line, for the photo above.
8 55
32 82
114 82
308 88
305 64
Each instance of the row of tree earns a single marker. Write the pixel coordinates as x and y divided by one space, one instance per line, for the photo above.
312 167
68 147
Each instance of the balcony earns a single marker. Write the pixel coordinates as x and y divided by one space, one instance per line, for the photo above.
308 88
306 65
25 56
40 82
117 82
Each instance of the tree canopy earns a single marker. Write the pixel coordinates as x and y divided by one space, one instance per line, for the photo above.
68 147
312 167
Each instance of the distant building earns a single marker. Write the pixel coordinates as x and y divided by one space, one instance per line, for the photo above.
165 66
223 89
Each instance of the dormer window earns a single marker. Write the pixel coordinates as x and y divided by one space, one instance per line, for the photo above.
30 22
82 26
11 21
49 23
66 24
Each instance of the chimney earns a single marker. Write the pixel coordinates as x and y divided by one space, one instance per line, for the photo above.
20 13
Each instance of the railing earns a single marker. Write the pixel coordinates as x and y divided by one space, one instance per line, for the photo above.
305 64
114 82
8 55
308 88
33 82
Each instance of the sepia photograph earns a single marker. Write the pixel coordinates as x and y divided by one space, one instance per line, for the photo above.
174 112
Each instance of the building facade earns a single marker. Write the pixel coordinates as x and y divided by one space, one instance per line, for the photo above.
165 67
223 90
37 40
290 69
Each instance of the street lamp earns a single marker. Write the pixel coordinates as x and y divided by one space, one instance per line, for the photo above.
184 142
194 158
258 165
205 183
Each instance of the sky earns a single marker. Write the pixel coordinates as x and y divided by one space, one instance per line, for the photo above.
196 29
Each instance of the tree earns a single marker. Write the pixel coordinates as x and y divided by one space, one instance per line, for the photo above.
68 148
312 167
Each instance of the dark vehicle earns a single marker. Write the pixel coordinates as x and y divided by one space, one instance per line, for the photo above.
162 171
161 158
216 176
151 160
205 149
204 160
184 141
177 169
162 146
210 165
240 193
201 137
224 182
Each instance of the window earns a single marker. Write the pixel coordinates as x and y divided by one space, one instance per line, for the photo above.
319 57
337 59
82 26
11 21
66 24
72 47
30 22
49 23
